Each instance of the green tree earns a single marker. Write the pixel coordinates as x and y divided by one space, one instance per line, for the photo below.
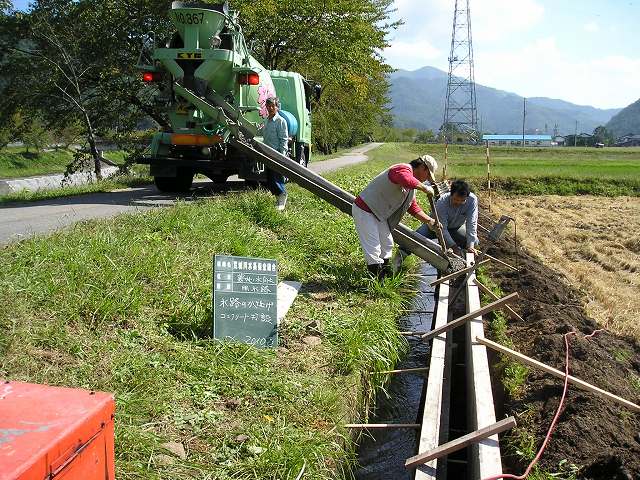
36 135
73 63
425 136
602 135
68 134
336 43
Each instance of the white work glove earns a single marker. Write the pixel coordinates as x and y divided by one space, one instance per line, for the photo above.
428 189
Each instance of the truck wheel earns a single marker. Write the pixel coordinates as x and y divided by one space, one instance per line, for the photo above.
180 183
220 178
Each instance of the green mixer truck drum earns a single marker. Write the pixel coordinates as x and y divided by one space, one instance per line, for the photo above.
208 56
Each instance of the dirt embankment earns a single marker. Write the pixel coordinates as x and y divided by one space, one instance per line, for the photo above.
595 242
601 437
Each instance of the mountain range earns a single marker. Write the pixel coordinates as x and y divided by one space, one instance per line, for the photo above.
626 120
417 101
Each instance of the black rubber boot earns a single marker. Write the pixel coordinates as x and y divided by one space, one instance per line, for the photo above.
374 269
385 269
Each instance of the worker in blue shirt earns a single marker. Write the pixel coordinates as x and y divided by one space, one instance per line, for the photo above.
458 215
276 135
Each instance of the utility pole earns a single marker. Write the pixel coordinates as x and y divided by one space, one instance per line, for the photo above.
524 116
460 111
575 136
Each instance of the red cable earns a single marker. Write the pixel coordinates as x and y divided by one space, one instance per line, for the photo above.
555 418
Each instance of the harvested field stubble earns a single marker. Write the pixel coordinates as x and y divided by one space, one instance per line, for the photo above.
595 242
598 436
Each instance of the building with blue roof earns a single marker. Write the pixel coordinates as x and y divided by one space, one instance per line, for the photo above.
512 140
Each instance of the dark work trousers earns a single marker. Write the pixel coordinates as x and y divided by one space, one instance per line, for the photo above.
275 182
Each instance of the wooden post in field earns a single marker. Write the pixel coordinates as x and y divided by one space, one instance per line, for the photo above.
446 155
489 175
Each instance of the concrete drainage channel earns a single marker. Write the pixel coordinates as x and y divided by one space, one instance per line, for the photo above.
455 399
49 182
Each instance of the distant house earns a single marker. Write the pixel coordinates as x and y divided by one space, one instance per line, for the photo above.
628 141
510 140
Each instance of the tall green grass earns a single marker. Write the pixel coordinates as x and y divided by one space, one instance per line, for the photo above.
124 305
17 162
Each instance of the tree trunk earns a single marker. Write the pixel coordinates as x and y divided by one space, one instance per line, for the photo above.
97 166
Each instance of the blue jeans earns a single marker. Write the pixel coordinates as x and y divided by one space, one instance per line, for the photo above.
275 182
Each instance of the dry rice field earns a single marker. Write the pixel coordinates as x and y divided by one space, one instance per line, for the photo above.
594 241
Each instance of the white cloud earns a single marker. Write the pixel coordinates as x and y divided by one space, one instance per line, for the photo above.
542 69
412 55
495 20
510 53
426 33
591 27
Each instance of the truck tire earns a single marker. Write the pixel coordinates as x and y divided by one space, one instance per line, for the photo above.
219 178
180 183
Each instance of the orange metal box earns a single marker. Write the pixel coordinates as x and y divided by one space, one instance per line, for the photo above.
55 433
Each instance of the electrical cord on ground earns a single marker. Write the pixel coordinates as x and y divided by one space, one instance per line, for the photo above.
555 418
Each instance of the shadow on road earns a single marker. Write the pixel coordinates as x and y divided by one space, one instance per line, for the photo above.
147 196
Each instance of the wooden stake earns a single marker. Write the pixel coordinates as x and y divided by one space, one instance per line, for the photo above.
489 175
382 425
486 290
457 274
553 371
470 316
446 156
406 370
460 443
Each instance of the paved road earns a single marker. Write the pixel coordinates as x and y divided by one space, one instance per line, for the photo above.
22 220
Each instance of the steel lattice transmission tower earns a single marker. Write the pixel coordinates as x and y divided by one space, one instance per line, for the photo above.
460 111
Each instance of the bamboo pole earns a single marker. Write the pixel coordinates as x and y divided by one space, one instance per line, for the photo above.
461 442
406 370
553 371
497 260
485 289
489 174
382 425
457 274
470 316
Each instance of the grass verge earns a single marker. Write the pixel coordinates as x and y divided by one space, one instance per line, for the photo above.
124 305
16 162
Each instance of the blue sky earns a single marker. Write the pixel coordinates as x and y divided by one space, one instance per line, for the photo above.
582 51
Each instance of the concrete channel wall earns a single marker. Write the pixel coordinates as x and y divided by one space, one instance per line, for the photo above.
485 455
49 182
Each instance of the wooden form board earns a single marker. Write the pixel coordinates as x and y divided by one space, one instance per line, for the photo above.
472 314
432 412
485 455
460 443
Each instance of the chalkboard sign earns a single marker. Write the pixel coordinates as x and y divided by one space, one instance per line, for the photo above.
245 300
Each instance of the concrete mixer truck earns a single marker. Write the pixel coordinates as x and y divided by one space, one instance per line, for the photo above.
207 59
214 94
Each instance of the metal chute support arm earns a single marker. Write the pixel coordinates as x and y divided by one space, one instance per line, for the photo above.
244 142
